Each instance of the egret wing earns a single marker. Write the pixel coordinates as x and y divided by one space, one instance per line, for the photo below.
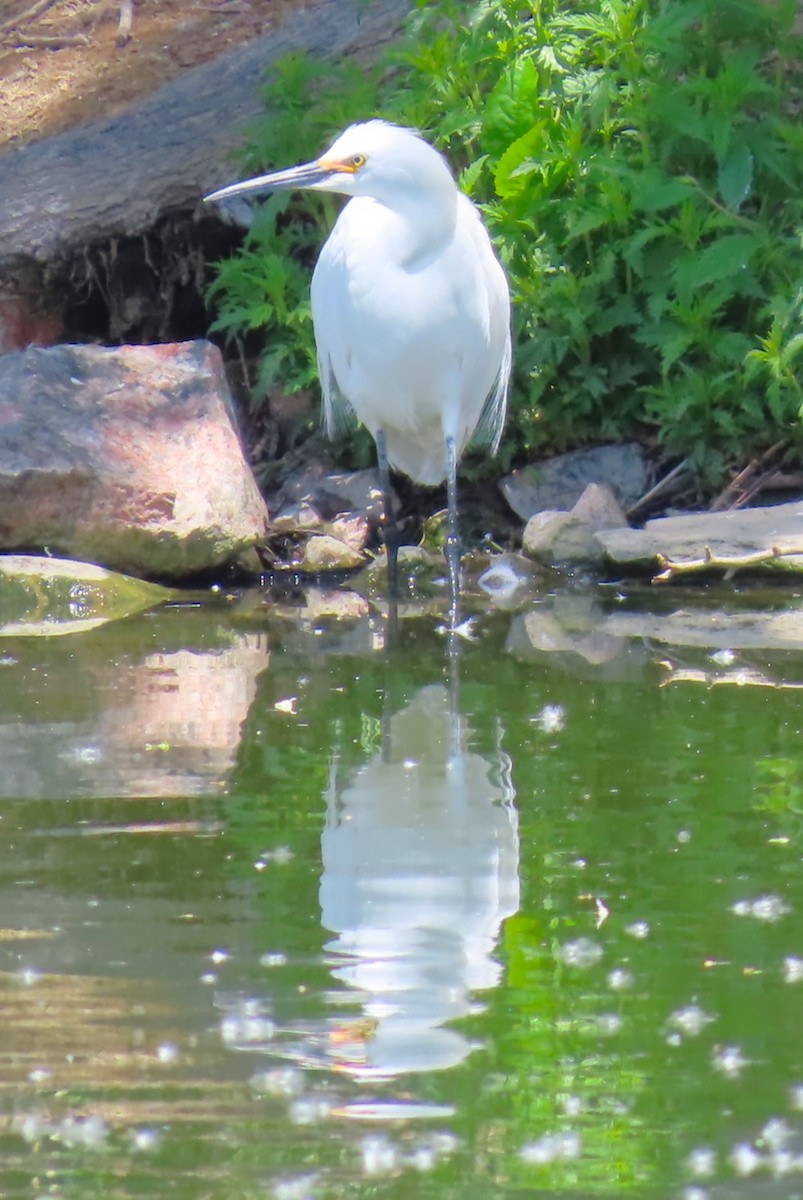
338 415
327 294
492 418
491 421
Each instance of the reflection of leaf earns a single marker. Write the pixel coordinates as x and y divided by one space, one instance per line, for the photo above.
781 786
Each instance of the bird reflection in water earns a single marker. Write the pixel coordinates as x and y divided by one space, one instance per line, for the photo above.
420 868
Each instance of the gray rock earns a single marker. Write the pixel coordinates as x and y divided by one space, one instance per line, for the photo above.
735 535
569 538
332 494
558 483
126 457
599 508
325 553
561 539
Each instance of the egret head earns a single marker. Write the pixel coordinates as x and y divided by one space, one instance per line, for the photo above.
373 158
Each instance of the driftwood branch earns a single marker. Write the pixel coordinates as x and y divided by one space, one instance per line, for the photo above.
117 175
739 678
710 561
30 14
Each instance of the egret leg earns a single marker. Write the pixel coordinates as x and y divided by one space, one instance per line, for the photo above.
452 536
391 533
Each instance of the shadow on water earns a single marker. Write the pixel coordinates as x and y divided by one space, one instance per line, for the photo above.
288 911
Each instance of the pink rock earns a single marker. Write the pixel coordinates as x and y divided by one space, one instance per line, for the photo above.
126 457
23 324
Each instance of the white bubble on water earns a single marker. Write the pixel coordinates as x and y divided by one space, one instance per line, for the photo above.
766 908
39 1074
551 1147
572 1105
694 1193
309 1110
729 1061
143 1140
792 969
638 929
776 1134
796 1096
691 1020
298 1187
744 1159
583 952
428 1151
702 1162
619 979
609 1023
551 718
723 658
219 956
28 976
90 1132
245 1028
279 1081
274 958
168 1052
379 1155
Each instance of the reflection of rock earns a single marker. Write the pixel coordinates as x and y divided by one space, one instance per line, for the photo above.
174 723
45 597
108 718
420 868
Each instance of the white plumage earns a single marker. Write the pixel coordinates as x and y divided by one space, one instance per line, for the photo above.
410 306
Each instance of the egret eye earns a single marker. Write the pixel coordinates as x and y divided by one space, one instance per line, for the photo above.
357 161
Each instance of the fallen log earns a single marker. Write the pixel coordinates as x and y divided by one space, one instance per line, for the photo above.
115 176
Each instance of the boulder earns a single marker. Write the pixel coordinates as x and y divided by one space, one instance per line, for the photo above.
128 458
570 538
558 483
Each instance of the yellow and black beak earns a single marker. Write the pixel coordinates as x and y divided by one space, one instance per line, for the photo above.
305 176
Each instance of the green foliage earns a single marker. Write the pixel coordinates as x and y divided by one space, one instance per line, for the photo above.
640 166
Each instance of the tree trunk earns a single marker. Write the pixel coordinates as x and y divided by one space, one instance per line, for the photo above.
114 177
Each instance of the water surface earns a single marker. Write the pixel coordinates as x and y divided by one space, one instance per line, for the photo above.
290 912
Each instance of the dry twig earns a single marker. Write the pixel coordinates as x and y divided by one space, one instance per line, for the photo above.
48 41
748 482
125 22
36 10
660 488
710 561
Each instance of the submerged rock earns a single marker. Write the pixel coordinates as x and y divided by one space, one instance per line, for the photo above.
558 483
125 457
44 597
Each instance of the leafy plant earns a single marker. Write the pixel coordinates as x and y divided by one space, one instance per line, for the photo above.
640 165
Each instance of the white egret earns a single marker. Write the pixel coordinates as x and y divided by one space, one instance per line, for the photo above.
411 311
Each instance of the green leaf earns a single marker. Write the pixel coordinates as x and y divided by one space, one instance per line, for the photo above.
735 176
725 257
662 193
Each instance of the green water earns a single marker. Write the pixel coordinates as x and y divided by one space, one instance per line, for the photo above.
287 913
